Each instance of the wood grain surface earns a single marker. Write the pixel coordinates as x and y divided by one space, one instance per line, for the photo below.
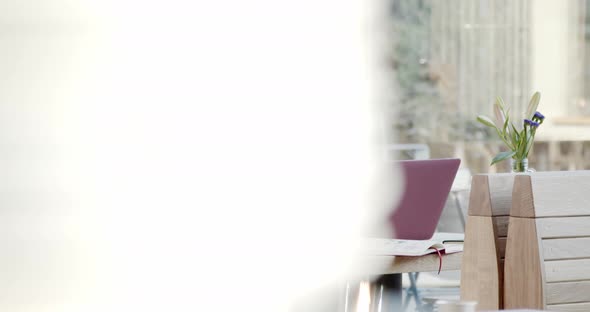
523 270
479 197
568 292
500 187
567 270
522 198
566 248
552 194
501 225
571 307
480 272
573 226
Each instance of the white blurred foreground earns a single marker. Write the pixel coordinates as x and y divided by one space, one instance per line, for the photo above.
179 155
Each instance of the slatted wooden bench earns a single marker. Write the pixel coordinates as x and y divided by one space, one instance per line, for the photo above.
485 240
548 248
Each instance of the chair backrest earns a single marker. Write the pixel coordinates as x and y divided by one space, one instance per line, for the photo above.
548 249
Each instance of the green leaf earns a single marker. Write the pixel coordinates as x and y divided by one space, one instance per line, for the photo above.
515 132
524 137
533 104
486 121
511 132
529 144
516 137
502 156
506 130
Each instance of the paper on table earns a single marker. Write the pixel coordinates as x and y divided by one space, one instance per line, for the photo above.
401 247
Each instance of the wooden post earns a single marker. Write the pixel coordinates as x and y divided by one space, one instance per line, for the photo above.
485 240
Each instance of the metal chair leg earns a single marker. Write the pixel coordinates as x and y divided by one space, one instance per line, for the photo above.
459 210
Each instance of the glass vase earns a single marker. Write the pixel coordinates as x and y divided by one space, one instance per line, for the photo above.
520 165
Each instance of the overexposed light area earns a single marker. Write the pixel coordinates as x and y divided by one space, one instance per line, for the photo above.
182 155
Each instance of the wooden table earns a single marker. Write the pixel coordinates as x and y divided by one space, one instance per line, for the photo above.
390 269
399 264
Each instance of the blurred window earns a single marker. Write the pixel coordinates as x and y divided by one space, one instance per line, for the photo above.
450 59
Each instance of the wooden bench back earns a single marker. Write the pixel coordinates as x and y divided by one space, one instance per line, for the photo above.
485 240
548 247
